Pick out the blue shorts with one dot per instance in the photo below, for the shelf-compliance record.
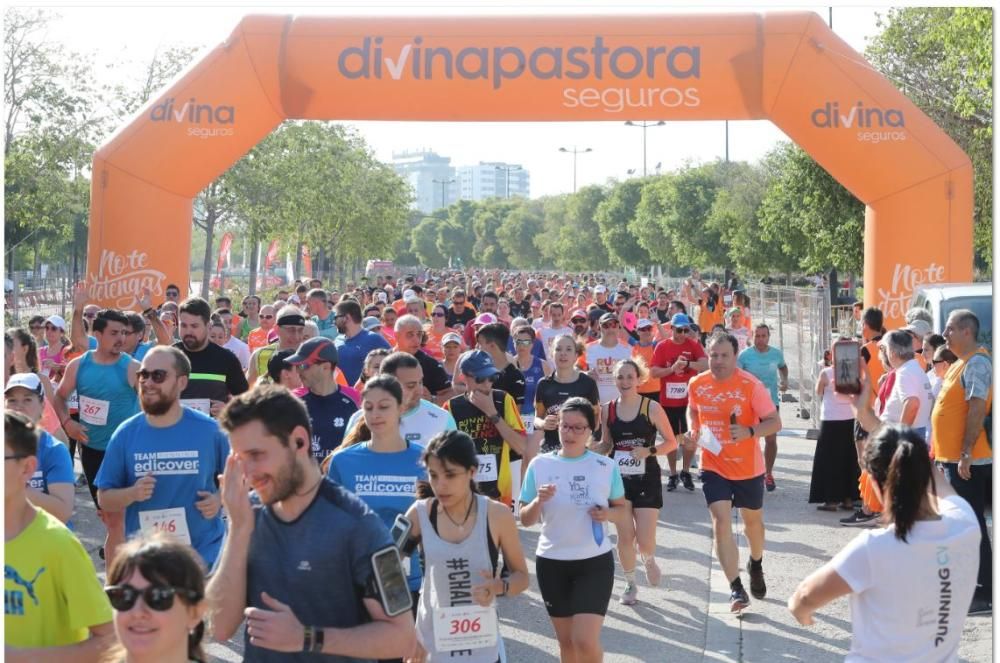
(743, 493)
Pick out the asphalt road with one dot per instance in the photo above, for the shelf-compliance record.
(687, 618)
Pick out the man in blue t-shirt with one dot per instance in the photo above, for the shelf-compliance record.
(356, 342)
(160, 465)
(297, 561)
(329, 408)
(51, 486)
(766, 364)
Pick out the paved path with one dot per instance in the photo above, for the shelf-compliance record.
(687, 618)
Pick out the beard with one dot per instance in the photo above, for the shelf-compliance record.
(156, 404)
(287, 482)
(193, 343)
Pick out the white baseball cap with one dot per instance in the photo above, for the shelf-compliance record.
(56, 321)
(29, 381)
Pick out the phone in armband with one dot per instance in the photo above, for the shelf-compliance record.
(400, 530)
(390, 580)
(847, 367)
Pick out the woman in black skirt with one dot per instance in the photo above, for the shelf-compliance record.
(835, 470)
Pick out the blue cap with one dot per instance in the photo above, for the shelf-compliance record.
(478, 364)
(680, 320)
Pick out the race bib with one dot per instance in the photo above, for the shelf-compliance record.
(94, 411)
(677, 390)
(529, 424)
(487, 468)
(73, 402)
(199, 404)
(464, 627)
(629, 466)
(172, 522)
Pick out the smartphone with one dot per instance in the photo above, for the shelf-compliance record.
(391, 581)
(400, 530)
(847, 367)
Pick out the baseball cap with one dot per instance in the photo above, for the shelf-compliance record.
(411, 298)
(370, 323)
(918, 327)
(643, 323)
(408, 293)
(381, 296)
(578, 313)
(318, 348)
(56, 321)
(735, 309)
(609, 317)
(277, 363)
(450, 337)
(478, 364)
(29, 381)
(600, 288)
(680, 320)
(484, 319)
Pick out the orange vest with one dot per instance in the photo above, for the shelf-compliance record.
(875, 368)
(948, 416)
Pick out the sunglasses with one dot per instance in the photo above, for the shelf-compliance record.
(156, 597)
(523, 341)
(437, 315)
(171, 293)
(15, 457)
(266, 317)
(157, 376)
(681, 330)
(90, 316)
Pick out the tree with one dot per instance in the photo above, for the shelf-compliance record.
(456, 235)
(578, 244)
(613, 217)
(942, 59)
(425, 237)
(690, 197)
(487, 220)
(648, 225)
(517, 234)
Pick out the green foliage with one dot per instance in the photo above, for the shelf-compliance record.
(424, 243)
(613, 216)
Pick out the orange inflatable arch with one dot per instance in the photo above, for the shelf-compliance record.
(785, 67)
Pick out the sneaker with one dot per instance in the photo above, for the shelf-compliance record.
(630, 596)
(653, 574)
(981, 605)
(769, 483)
(81, 481)
(860, 519)
(738, 600)
(672, 483)
(687, 480)
(757, 586)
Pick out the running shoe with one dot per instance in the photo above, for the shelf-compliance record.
(631, 594)
(860, 519)
(653, 574)
(672, 483)
(687, 480)
(769, 483)
(757, 585)
(81, 481)
(981, 605)
(738, 600)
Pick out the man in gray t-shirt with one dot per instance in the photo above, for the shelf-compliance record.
(300, 558)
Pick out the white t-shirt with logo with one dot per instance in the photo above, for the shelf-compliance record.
(909, 600)
(601, 360)
(418, 425)
(911, 382)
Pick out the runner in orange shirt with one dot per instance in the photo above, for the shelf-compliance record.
(258, 337)
(728, 411)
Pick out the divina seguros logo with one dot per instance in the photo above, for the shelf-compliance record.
(875, 124)
(416, 60)
(193, 112)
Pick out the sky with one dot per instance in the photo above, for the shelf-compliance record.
(118, 32)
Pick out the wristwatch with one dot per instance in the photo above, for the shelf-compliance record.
(652, 450)
(506, 587)
(965, 455)
(495, 418)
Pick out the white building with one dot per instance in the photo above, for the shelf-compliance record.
(431, 177)
(489, 179)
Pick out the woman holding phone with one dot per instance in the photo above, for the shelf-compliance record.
(460, 549)
(573, 492)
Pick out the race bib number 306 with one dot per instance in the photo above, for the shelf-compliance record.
(464, 627)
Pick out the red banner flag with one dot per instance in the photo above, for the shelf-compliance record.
(224, 247)
(272, 254)
(307, 264)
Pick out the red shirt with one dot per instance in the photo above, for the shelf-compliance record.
(674, 388)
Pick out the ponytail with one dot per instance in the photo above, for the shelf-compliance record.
(898, 460)
(195, 652)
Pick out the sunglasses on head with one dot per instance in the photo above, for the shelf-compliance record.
(156, 597)
(157, 376)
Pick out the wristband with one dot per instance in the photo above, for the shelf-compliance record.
(652, 450)
(307, 639)
(318, 639)
(63, 422)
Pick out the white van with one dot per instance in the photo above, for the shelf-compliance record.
(943, 298)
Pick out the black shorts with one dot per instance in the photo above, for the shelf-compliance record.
(644, 492)
(743, 493)
(576, 586)
(91, 460)
(677, 416)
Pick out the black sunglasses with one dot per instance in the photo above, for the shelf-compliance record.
(157, 597)
(157, 376)
(15, 457)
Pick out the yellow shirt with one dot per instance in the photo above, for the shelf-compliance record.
(51, 594)
(949, 413)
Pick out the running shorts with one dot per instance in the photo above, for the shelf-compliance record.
(576, 586)
(677, 416)
(743, 493)
(91, 460)
(644, 492)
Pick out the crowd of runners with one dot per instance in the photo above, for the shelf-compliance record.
(347, 473)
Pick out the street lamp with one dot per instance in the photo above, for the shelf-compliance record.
(574, 152)
(644, 125)
(507, 169)
(443, 183)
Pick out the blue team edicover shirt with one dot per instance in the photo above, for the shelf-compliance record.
(763, 366)
(386, 482)
(184, 459)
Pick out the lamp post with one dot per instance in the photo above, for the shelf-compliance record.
(574, 152)
(644, 126)
(443, 183)
(507, 170)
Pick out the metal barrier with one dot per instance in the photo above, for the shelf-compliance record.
(800, 321)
